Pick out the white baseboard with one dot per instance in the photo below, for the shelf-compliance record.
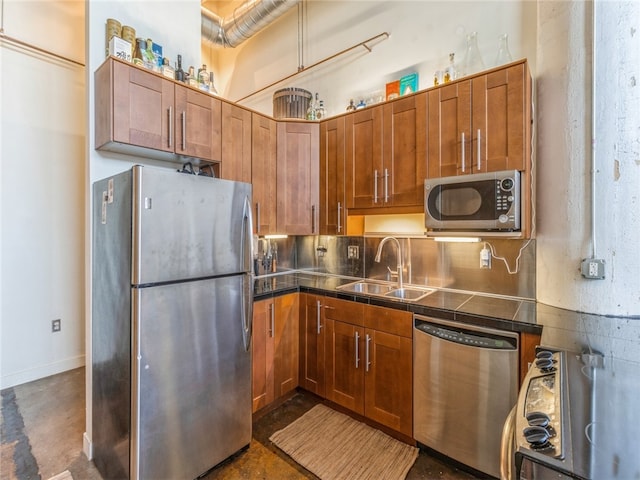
(41, 371)
(87, 446)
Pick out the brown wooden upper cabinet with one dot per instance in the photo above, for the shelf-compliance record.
(236, 143)
(386, 154)
(332, 177)
(297, 178)
(481, 124)
(263, 173)
(138, 109)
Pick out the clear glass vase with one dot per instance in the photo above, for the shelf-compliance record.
(503, 56)
(472, 60)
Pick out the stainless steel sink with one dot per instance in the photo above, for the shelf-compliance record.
(370, 288)
(409, 293)
(388, 290)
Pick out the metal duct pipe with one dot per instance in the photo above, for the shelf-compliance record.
(246, 20)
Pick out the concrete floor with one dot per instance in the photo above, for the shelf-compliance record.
(42, 426)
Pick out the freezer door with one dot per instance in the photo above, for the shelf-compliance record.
(191, 395)
(188, 226)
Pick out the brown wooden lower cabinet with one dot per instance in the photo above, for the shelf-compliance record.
(312, 334)
(369, 370)
(274, 349)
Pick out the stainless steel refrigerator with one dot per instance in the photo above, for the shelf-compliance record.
(171, 323)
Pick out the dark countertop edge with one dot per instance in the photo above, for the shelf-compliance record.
(416, 308)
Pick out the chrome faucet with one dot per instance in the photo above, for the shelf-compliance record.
(399, 257)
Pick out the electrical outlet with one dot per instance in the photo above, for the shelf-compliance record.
(485, 258)
(56, 325)
(592, 268)
(353, 252)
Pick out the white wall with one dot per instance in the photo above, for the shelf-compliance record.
(42, 191)
(176, 26)
(564, 156)
(422, 34)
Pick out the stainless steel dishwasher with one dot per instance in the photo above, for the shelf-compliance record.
(465, 383)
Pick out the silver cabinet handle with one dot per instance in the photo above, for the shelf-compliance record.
(339, 217)
(170, 126)
(184, 129)
(257, 217)
(318, 309)
(386, 185)
(272, 328)
(357, 338)
(479, 152)
(367, 363)
(375, 186)
(463, 162)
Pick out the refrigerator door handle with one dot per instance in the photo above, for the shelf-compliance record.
(246, 246)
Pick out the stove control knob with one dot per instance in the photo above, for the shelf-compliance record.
(544, 354)
(536, 436)
(544, 364)
(538, 419)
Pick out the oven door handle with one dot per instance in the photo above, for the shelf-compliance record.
(507, 471)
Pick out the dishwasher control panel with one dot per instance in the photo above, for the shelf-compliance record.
(467, 336)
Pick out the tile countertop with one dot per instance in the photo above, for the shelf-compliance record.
(498, 312)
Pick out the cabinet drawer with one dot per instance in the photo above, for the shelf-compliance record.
(344, 311)
(389, 320)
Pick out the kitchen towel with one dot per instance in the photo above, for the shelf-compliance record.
(334, 446)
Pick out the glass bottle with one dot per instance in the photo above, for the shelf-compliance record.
(137, 52)
(212, 88)
(472, 60)
(179, 71)
(450, 72)
(167, 69)
(311, 111)
(203, 78)
(148, 57)
(321, 112)
(193, 80)
(503, 56)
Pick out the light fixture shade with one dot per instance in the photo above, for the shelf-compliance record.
(458, 239)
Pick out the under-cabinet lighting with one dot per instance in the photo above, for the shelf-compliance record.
(275, 236)
(458, 239)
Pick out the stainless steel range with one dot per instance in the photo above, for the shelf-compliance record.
(552, 422)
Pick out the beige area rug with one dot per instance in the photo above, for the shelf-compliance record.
(334, 446)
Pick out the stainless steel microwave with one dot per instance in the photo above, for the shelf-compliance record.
(480, 202)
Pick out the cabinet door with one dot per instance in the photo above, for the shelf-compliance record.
(405, 151)
(312, 334)
(143, 107)
(197, 124)
(297, 172)
(388, 380)
(344, 365)
(263, 173)
(364, 158)
(500, 123)
(332, 185)
(449, 130)
(286, 344)
(236, 143)
(262, 345)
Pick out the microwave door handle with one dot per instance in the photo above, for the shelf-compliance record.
(479, 152)
(463, 162)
